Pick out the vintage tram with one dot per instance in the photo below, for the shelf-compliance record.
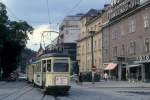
(51, 72)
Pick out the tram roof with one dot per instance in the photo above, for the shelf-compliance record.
(53, 55)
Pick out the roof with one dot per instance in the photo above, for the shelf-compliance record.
(90, 13)
(52, 55)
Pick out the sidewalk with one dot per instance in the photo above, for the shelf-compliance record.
(116, 84)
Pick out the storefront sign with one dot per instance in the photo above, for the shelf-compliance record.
(143, 58)
(123, 7)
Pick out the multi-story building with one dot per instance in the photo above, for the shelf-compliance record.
(93, 20)
(126, 40)
(69, 31)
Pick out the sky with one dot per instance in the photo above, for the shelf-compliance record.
(39, 13)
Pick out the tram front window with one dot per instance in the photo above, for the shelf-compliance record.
(61, 67)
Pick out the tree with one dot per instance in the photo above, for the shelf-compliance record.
(3, 29)
(13, 39)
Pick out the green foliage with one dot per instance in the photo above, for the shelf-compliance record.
(26, 55)
(13, 39)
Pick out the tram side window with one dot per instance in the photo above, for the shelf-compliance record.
(49, 65)
(44, 65)
(38, 67)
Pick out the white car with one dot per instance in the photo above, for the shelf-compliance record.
(22, 78)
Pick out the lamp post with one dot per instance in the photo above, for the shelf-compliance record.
(92, 33)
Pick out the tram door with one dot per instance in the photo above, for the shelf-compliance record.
(44, 62)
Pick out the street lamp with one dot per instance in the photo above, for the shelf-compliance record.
(92, 33)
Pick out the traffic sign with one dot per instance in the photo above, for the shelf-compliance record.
(93, 68)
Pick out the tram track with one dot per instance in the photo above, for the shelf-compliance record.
(57, 98)
(71, 98)
(22, 94)
(43, 97)
(24, 89)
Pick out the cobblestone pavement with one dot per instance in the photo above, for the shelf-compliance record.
(24, 91)
(116, 84)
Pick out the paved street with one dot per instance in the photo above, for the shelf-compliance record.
(24, 91)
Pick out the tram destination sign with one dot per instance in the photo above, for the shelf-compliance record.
(122, 7)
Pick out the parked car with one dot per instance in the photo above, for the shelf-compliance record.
(22, 78)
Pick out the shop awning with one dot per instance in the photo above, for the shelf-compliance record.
(111, 66)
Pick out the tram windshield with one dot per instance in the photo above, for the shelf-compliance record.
(61, 66)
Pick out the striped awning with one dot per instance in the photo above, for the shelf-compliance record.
(111, 66)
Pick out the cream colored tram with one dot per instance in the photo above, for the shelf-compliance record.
(52, 72)
(30, 72)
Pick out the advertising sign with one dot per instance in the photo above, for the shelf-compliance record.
(61, 81)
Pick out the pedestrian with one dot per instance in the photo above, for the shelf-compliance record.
(105, 76)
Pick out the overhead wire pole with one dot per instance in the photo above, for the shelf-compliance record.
(49, 20)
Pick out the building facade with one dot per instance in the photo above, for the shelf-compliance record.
(92, 21)
(69, 31)
(126, 40)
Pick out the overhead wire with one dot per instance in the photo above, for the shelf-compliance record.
(49, 18)
(75, 6)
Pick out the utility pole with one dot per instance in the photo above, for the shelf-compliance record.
(92, 33)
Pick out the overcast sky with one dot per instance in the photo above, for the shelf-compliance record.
(35, 12)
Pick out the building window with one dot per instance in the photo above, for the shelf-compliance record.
(123, 50)
(95, 45)
(91, 28)
(95, 62)
(82, 23)
(95, 27)
(99, 62)
(88, 47)
(147, 45)
(99, 24)
(122, 29)
(115, 51)
(88, 31)
(83, 50)
(115, 35)
(146, 22)
(132, 48)
(131, 26)
(88, 64)
(99, 44)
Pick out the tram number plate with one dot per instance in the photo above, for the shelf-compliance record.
(61, 80)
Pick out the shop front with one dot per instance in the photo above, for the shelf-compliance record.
(144, 61)
(112, 70)
(134, 72)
